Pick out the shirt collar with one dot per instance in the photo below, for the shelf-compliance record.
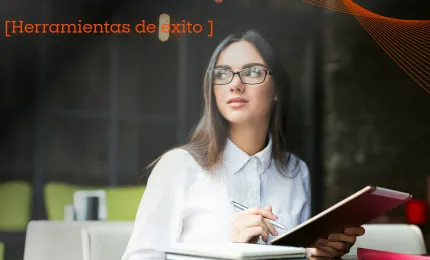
(234, 158)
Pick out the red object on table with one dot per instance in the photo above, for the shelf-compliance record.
(416, 212)
(370, 254)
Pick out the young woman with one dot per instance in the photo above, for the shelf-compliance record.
(238, 152)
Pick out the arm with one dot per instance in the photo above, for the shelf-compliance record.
(158, 223)
(336, 245)
(306, 211)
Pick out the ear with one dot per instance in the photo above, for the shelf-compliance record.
(276, 98)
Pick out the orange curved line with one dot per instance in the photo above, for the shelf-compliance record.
(424, 27)
(325, 6)
(370, 13)
(411, 36)
(331, 4)
(395, 56)
(395, 51)
(428, 26)
(411, 42)
(416, 33)
(405, 45)
(362, 10)
(408, 47)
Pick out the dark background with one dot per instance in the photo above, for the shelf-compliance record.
(96, 109)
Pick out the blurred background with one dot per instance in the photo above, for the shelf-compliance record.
(92, 111)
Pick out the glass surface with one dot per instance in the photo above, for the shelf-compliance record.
(17, 149)
(83, 82)
(148, 75)
(77, 151)
(140, 144)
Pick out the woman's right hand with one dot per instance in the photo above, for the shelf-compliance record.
(249, 225)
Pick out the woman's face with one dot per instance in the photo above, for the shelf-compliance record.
(256, 101)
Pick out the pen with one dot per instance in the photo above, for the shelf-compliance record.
(243, 208)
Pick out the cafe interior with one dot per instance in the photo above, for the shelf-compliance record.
(84, 113)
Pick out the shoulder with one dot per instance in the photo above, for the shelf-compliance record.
(171, 168)
(176, 155)
(301, 172)
(176, 160)
(297, 166)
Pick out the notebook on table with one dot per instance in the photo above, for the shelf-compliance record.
(356, 210)
(233, 251)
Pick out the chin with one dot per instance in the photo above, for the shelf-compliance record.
(237, 119)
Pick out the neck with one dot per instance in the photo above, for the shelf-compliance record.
(250, 139)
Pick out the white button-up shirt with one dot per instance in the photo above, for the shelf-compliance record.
(184, 203)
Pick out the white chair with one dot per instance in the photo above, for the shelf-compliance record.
(105, 242)
(53, 240)
(397, 238)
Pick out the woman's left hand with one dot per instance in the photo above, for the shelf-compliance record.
(336, 245)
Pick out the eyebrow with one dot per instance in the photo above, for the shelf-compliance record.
(248, 65)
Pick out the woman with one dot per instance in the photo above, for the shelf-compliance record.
(238, 152)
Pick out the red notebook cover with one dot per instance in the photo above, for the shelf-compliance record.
(370, 254)
(353, 211)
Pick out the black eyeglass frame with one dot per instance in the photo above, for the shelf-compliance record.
(266, 72)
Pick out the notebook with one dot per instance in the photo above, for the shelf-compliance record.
(233, 251)
(354, 211)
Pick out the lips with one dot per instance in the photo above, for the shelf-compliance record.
(237, 100)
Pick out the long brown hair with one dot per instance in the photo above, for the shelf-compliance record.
(209, 137)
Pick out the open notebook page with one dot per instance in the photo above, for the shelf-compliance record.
(236, 251)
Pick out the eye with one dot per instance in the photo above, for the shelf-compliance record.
(221, 74)
(254, 72)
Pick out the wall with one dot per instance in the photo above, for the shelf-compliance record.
(118, 98)
(377, 125)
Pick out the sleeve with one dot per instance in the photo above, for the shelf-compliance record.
(158, 222)
(306, 211)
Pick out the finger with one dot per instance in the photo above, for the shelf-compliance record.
(355, 231)
(271, 228)
(339, 246)
(237, 216)
(316, 252)
(253, 221)
(251, 232)
(263, 212)
(259, 220)
(342, 238)
(330, 251)
(248, 221)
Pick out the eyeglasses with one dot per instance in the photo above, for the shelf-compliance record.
(251, 76)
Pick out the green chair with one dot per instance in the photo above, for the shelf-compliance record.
(122, 202)
(56, 196)
(1, 250)
(15, 205)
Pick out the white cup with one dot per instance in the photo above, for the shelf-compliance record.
(69, 212)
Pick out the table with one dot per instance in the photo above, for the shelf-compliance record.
(335, 258)
(311, 258)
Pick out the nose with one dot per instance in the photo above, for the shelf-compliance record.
(236, 84)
